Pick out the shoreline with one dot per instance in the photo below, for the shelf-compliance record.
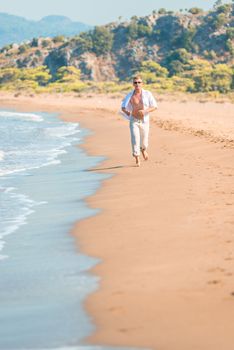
(207, 119)
(166, 251)
(48, 272)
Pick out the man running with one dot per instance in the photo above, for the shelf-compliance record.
(137, 105)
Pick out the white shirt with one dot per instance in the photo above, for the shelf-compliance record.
(147, 99)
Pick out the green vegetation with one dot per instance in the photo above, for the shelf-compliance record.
(12, 78)
(34, 42)
(23, 48)
(195, 11)
(137, 29)
(59, 39)
(151, 71)
(162, 11)
(194, 76)
(102, 40)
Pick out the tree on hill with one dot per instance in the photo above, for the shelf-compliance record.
(177, 60)
(102, 39)
(34, 42)
(167, 30)
(83, 43)
(137, 29)
(162, 11)
(195, 11)
(185, 40)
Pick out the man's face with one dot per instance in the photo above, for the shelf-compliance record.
(137, 83)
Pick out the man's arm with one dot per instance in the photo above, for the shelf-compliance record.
(149, 109)
(125, 111)
(152, 106)
(142, 112)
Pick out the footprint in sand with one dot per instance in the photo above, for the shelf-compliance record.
(214, 282)
(124, 330)
(115, 309)
(216, 269)
(118, 292)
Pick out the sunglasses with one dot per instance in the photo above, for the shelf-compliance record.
(137, 82)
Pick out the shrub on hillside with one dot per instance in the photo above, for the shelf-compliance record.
(9, 75)
(68, 74)
(102, 39)
(151, 70)
(83, 43)
(23, 48)
(195, 11)
(59, 39)
(34, 42)
(39, 74)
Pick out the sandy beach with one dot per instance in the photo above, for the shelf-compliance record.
(165, 231)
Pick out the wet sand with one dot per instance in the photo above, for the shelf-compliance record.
(165, 231)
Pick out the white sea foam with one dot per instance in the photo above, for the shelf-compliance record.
(61, 131)
(24, 116)
(24, 206)
(50, 158)
(2, 155)
(7, 172)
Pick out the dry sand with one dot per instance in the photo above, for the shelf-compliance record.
(165, 232)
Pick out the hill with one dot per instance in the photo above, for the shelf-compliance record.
(192, 51)
(15, 29)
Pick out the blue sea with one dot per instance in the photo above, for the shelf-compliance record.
(44, 278)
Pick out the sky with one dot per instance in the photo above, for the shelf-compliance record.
(96, 12)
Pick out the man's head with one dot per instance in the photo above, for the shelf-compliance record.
(137, 82)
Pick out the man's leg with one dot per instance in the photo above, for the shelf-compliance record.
(145, 139)
(135, 140)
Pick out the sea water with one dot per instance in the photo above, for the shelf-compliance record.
(44, 277)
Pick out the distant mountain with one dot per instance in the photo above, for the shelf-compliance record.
(14, 29)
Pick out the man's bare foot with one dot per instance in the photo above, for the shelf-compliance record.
(145, 154)
(138, 162)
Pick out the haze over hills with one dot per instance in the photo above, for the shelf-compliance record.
(15, 29)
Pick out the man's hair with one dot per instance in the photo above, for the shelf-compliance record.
(137, 76)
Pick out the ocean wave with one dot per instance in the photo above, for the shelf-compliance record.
(28, 146)
(49, 158)
(12, 219)
(63, 131)
(18, 170)
(25, 152)
(25, 146)
(24, 116)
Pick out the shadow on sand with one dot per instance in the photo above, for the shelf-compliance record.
(112, 167)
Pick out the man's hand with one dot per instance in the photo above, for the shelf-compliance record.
(125, 111)
(140, 114)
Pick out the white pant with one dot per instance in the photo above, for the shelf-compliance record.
(139, 135)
